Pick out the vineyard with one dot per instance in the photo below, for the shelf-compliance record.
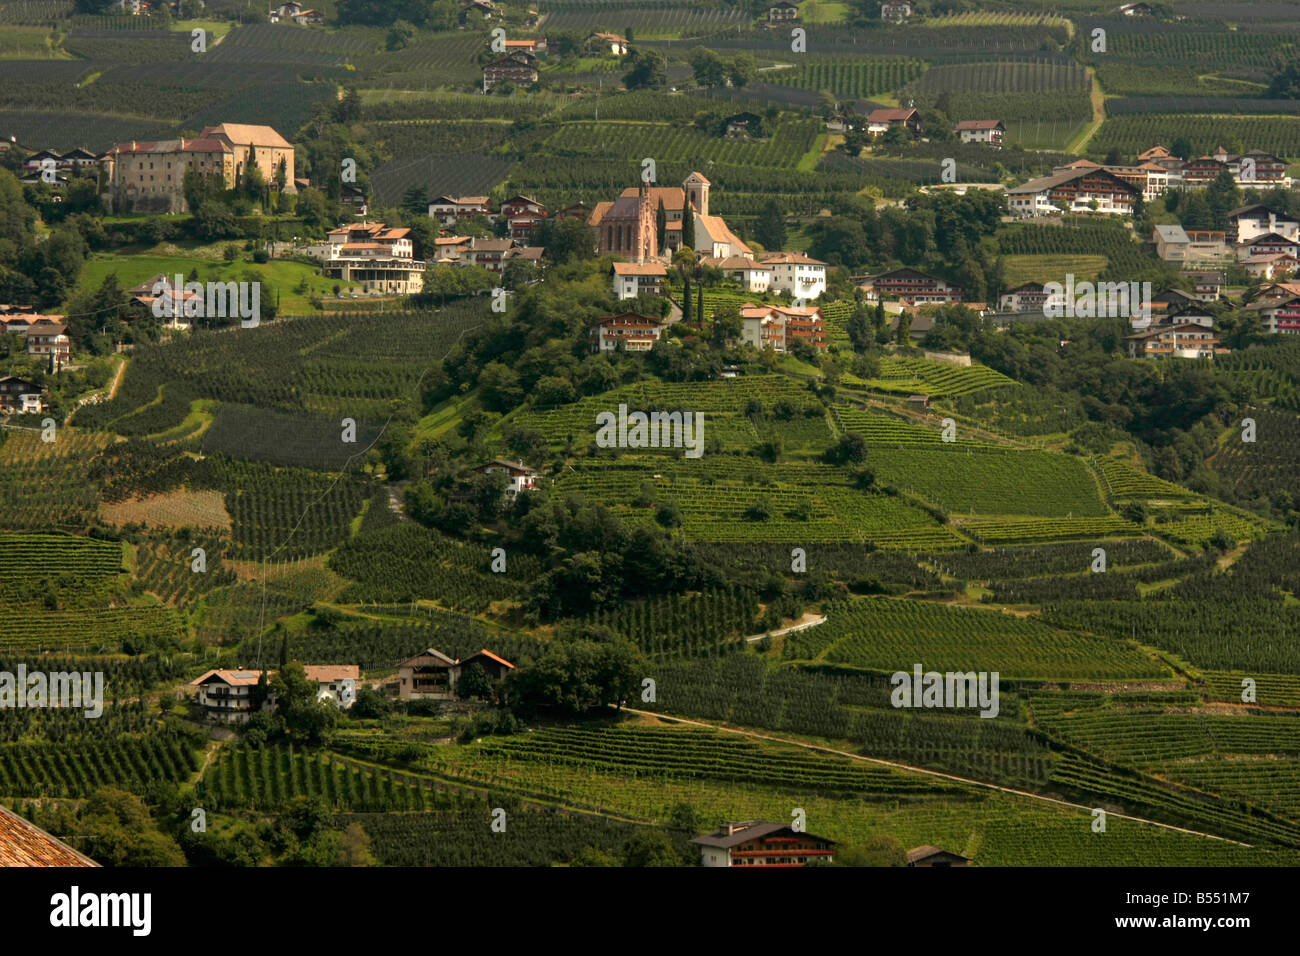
(859, 77)
(1006, 76)
(676, 626)
(684, 145)
(937, 379)
(44, 484)
(1131, 134)
(76, 768)
(85, 560)
(891, 635)
(104, 630)
(268, 778)
(964, 480)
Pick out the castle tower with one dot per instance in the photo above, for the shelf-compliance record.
(697, 192)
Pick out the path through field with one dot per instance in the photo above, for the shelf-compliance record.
(807, 621)
(1098, 99)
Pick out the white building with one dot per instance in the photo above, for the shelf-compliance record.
(749, 275)
(520, 477)
(632, 279)
(981, 131)
(336, 683)
(1249, 222)
(629, 332)
(801, 276)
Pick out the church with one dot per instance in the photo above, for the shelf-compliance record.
(629, 226)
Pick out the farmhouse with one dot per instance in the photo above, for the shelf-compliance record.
(432, 674)
(933, 856)
(913, 287)
(780, 327)
(1247, 222)
(607, 44)
(518, 67)
(378, 258)
(981, 131)
(19, 396)
(230, 696)
(628, 332)
(446, 209)
(519, 476)
(1268, 244)
(782, 12)
(878, 121)
(800, 275)
(896, 11)
(632, 279)
(1175, 336)
(524, 217)
(489, 254)
(1076, 190)
(754, 843)
(1030, 297)
(48, 337)
(336, 683)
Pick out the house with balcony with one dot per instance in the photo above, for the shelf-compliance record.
(433, 675)
(230, 696)
(1183, 335)
(519, 477)
(896, 11)
(879, 121)
(632, 279)
(755, 843)
(518, 67)
(19, 396)
(802, 276)
(1030, 297)
(448, 209)
(912, 287)
(378, 258)
(628, 332)
(990, 132)
(1250, 222)
(1206, 286)
(780, 327)
(48, 338)
(335, 683)
(1077, 190)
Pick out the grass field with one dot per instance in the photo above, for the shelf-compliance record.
(173, 509)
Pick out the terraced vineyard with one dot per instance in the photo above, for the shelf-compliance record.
(1125, 481)
(268, 778)
(689, 753)
(858, 77)
(104, 629)
(936, 379)
(44, 484)
(1008, 530)
(86, 559)
(718, 499)
(891, 635)
(76, 768)
(1271, 690)
(887, 430)
(971, 481)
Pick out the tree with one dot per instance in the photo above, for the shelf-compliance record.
(1181, 147)
(661, 226)
(688, 228)
(708, 67)
(743, 69)
(851, 448)
(648, 72)
(1285, 83)
(567, 240)
(769, 230)
(727, 326)
(475, 683)
(576, 678)
(881, 849)
(415, 200)
(904, 328)
(216, 220)
(401, 34)
(499, 387)
(650, 848)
